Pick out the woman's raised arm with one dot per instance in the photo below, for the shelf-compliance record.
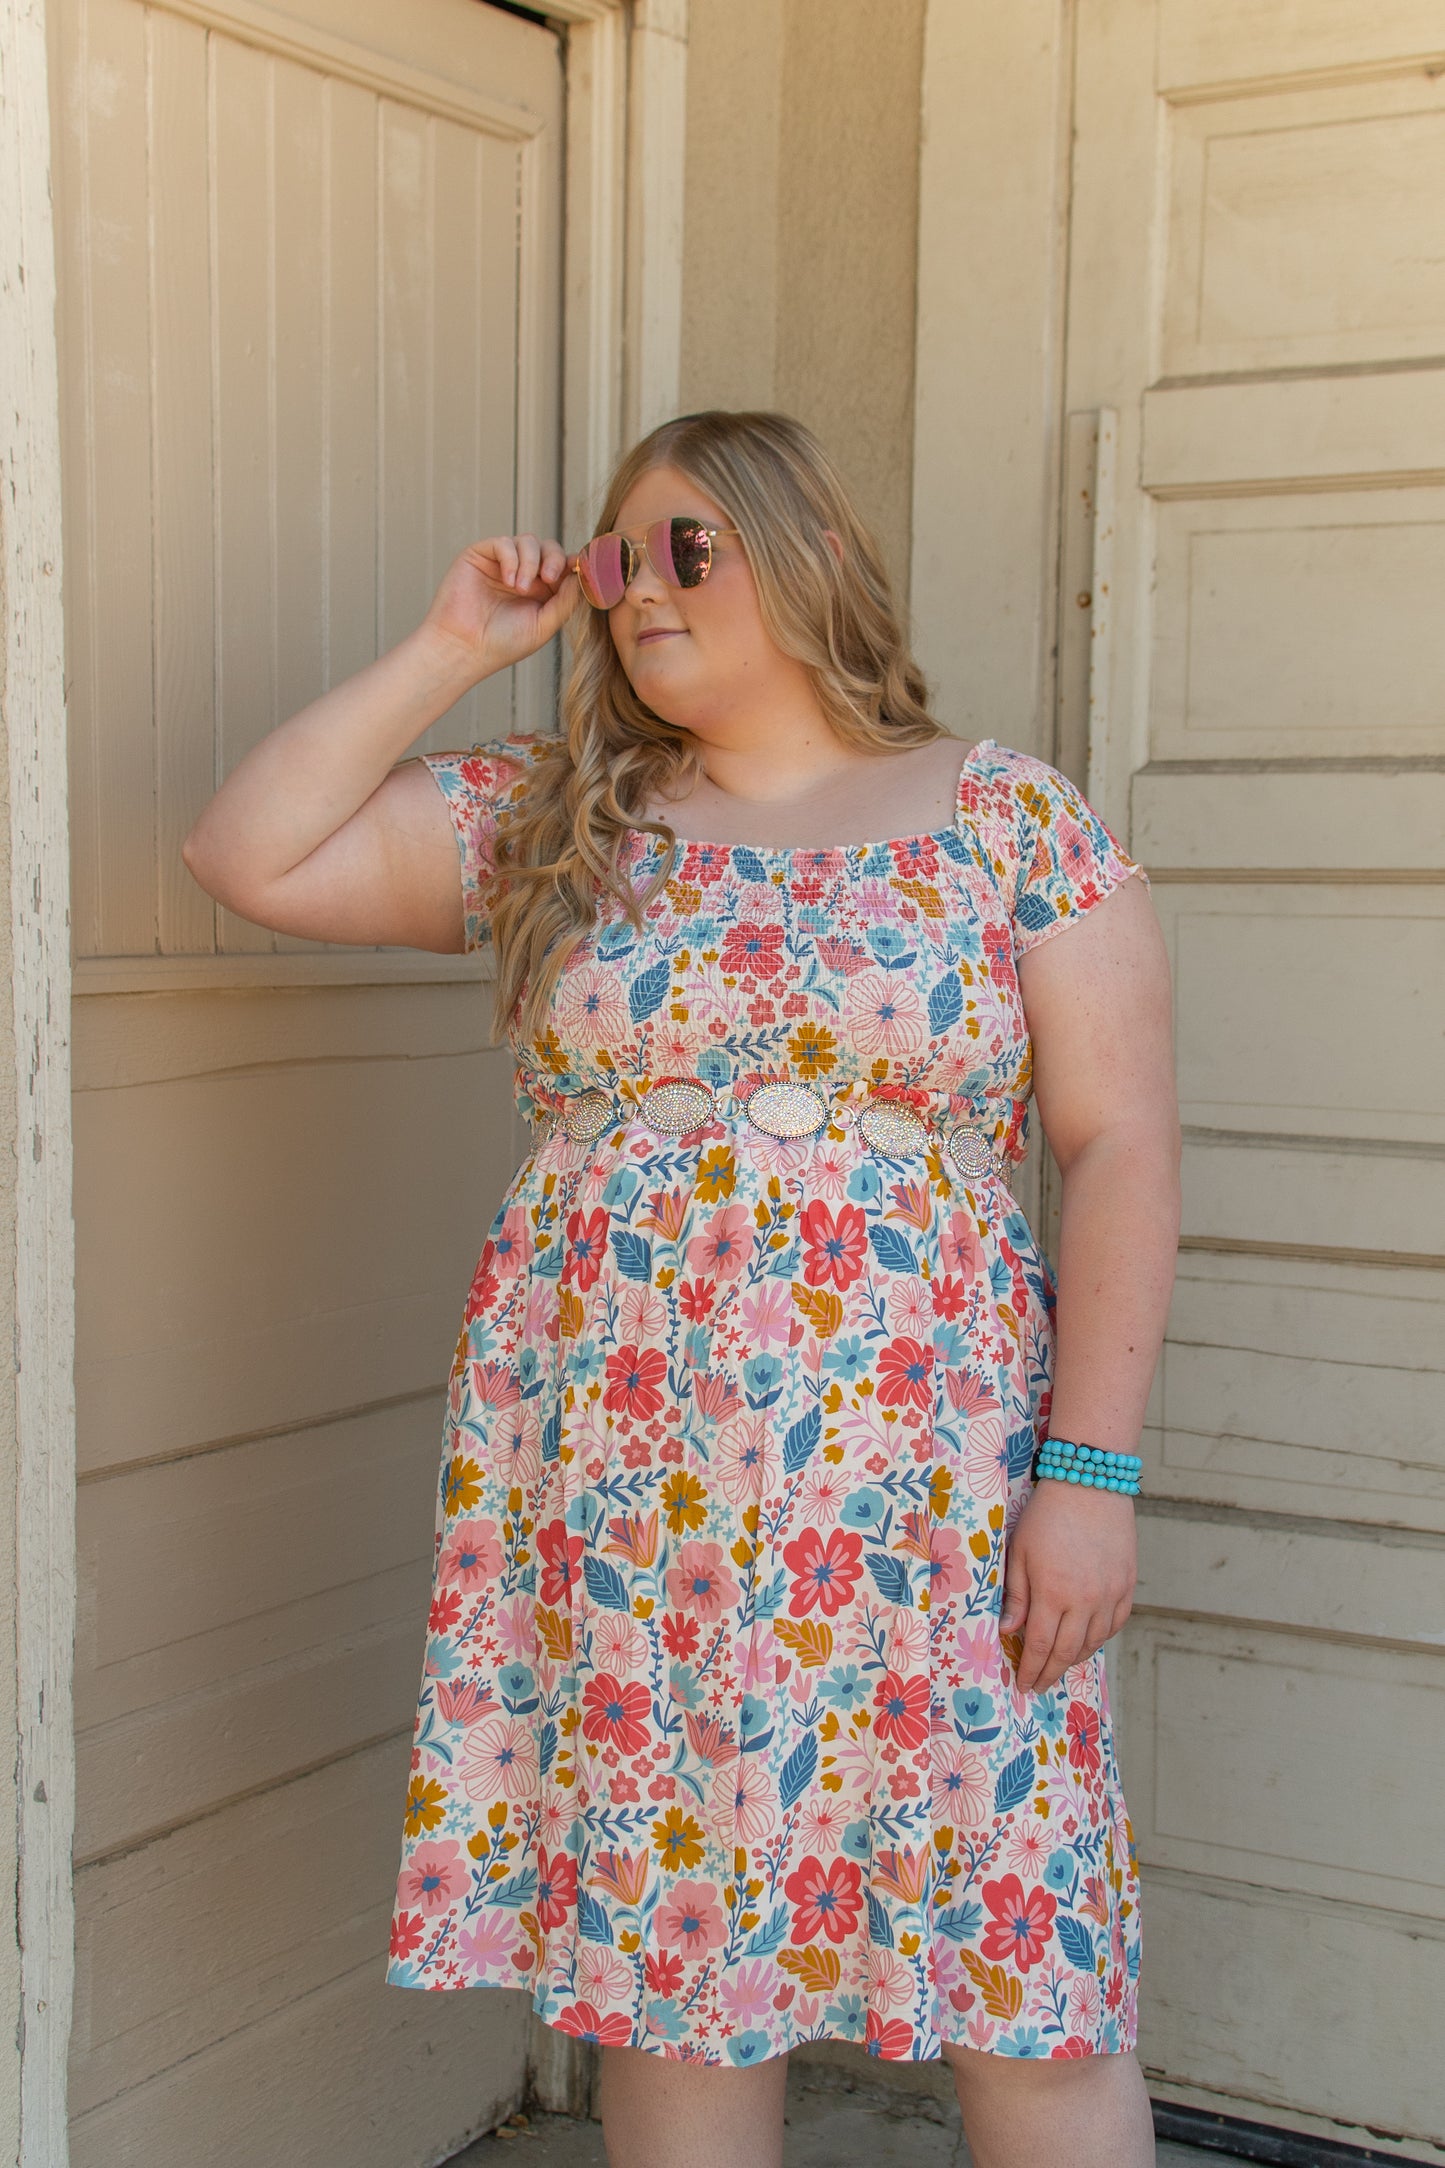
(317, 832)
(1097, 1001)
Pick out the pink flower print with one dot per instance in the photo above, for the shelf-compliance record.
(908, 1641)
(462, 1701)
(825, 1570)
(831, 1169)
(722, 1249)
(556, 1887)
(586, 1247)
(823, 1821)
(516, 1624)
(962, 1786)
(690, 1919)
(642, 1314)
(744, 1801)
(586, 2022)
(742, 1458)
(713, 1393)
(705, 863)
(1030, 1849)
(518, 1446)
(499, 1761)
(434, 1877)
(985, 1457)
(472, 1555)
(495, 1385)
(487, 1946)
(758, 1659)
(950, 1567)
(601, 1974)
(1084, 2003)
(900, 1710)
(910, 1308)
(509, 1245)
(766, 1315)
(824, 1491)
(615, 1713)
(748, 1993)
(590, 1007)
(1083, 1729)
(561, 1556)
(959, 1245)
(883, 1014)
(617, 1644)
(699, 1581)
(753, 950)
(1076, 860)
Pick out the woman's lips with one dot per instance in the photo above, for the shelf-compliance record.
(662, 633)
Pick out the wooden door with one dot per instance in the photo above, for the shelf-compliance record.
(1256, 308)
(310, 278)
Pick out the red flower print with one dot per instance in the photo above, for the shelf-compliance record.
(463, 1701)
(1083, 1730)
(680, 1636)
(835, 1249)
(826, 1900)
(586, 1246)
(556, 1887)
(632, 1380)
(662, 1970)
(704, 863)
(699, 1581)
(753, 948)
(826, 1568)
(616, 1714)
(406, 1932)
(1076, 2044)
(891, 2038)
(434, 1877)
(586, 2022)
(1022, 1921)
(916, 857)
(900, 1709)
(445, 1611)
(905, 1375)
(561, 1557)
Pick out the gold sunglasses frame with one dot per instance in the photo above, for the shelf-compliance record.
(638, 553)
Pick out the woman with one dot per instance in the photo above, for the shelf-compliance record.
(763, 1701)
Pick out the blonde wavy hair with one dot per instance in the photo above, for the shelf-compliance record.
(558, 851)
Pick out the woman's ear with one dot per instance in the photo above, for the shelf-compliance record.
(833, 543)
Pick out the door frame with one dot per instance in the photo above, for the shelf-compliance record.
(626, 84)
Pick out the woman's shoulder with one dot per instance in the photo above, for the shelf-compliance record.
(493, 771)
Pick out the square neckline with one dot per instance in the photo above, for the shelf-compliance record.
(832, 850)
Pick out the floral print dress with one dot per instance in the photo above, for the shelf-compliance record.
(717, 1748)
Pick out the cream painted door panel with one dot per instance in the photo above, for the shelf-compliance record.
(1256, 308)
(309, 320)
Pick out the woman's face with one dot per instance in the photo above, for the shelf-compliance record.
(701, 657)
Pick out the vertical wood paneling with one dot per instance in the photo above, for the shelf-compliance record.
(408, 449)
(349, 381)
(113, 707)
(243, 331)
(185, 645)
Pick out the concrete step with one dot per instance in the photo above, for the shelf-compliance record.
(826, 2126)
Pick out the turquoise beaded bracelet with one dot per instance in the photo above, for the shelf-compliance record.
(1088, 1465)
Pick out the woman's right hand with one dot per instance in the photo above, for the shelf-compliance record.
(503, 599)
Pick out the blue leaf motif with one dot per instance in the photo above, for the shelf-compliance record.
(592, 1922)
(520, 1889)
(750, 866)
(1015, 1782)
(891, 1575)
(961, 1924)
(648, 991)
(546, 1748)
(801, 1439)
(945, 1006)
(880, 1927)
(633, 1254)
(892, 1249)
(764, 1940)
(1076, 1941)
(605, 1584)
(797, 1772)
(1021, 1446)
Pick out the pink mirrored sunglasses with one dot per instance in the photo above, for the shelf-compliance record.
(679, 551)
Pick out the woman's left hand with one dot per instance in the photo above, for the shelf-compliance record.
(1069, 1578)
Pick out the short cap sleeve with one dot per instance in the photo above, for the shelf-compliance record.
(1067, 860)
(478, 786)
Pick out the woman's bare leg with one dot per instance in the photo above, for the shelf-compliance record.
(661, 2114)
(1091, 2111)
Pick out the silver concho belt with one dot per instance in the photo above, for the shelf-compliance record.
(678, 1106)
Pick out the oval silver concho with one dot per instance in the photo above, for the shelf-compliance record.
(972, 1154)
(587, 1114)
(786, 1110)
(885, 1126)
(676, 1107)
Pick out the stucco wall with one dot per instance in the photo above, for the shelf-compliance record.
(800, 233)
